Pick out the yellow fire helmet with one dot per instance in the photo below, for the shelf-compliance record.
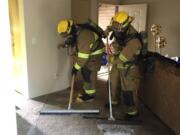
(121, 19)
(64, 26)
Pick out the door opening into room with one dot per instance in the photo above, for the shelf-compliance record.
(18, 46)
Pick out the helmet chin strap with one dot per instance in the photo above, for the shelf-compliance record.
(122, 29)
(71, 38)
(73, 30)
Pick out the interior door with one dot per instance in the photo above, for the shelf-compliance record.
(105, 14)
(139, 11)
(19, 70)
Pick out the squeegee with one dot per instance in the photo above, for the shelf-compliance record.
(69, 110)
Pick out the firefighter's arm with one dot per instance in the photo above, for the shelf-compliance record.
(85, 41)
(131, 49)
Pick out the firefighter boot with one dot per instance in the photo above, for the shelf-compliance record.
(84, 98)
(132, 113)
(131, 110)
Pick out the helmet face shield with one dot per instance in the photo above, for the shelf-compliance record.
(115, 26)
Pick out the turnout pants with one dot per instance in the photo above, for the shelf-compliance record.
(90, 79)
(125, 84)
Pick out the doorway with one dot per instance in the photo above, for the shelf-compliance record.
(139, 11)
(18, 46)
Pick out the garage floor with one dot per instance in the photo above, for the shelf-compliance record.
(31, 123)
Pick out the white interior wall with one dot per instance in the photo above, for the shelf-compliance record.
(94, 11)
(48, 68)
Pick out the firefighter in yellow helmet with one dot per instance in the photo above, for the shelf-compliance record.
(89, 48)
(125, 72)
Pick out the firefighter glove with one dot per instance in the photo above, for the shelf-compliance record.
(74, 71)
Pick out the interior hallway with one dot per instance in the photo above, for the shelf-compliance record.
(31, 123)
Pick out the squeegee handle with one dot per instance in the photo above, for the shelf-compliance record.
(71, 92)
(111, 117)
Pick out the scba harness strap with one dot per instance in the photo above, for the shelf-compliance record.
(97, 31)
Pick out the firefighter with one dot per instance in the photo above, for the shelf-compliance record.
(124, 74)
(89, 49)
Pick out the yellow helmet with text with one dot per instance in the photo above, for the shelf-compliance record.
(64, 26)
